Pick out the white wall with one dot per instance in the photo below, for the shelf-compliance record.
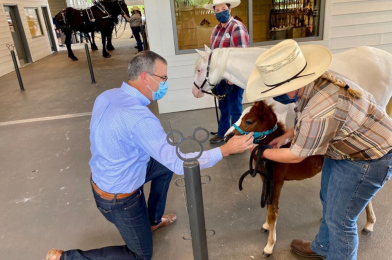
(39, 46)
(56, 6)
(78, 4)
(134, 2)
(356, 23)
(348, 23)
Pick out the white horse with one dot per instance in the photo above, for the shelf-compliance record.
(369, 67)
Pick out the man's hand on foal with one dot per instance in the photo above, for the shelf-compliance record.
(237, 144)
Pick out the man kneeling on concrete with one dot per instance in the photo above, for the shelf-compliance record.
(129, 148)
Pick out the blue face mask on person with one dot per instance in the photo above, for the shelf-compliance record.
(223, 16)
(285, 99)
(162, 89)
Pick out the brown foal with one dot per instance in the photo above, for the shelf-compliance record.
(261, 118)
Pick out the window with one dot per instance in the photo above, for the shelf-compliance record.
(33, 22)
(285, 19)
(269, 21)
(194, 23)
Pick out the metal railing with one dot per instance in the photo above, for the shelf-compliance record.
(194, 195)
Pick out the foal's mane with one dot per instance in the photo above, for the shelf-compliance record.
(216, 69)
(261, 111)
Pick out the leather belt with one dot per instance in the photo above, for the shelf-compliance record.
(111, 196)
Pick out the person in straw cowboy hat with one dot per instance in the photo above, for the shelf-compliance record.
(334, 118)
(228, 33)
(135, 21)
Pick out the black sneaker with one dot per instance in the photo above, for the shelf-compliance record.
(216, 140)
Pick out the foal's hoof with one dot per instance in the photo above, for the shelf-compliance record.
(265, 255)
(107, 55)
(94, 48)
(263, 230)
(110, 49)
(73, 58)
(366, 231)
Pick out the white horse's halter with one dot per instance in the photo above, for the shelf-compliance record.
(207, 80)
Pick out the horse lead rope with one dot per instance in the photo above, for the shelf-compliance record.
(267, 173)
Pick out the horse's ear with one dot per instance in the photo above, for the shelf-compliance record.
(260, 105)
(201, 53)
(206, 48)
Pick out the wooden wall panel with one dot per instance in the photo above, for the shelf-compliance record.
(39, 47)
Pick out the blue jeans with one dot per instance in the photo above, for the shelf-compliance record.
(136, 33)
(132, 218)
(82, 34)
(230, 107)
(346, 189)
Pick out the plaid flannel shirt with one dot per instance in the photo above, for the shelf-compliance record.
(331, 122)
(234, 34)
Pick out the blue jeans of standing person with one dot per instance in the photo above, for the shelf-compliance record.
(132, 218)
(230, 107)
(136, 33)
(346, 188)
(82, 34)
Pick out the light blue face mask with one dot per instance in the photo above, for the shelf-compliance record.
(162, 89)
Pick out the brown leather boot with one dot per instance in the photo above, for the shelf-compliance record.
(302, 248)
(54, 254)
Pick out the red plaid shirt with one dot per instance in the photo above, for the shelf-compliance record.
(234, 34)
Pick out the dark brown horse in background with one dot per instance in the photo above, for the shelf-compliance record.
(94, 19)
(260, 118)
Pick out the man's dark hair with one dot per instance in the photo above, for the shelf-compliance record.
(143, 61)
(228, 5)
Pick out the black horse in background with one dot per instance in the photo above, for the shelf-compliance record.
(102, 17)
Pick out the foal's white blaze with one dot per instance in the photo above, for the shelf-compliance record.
(280, 111)
(246, 111)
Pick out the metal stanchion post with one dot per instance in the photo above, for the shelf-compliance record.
(11, 47)
(90, 65)
(196, 210)
(194, 195)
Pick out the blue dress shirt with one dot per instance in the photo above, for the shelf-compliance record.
(124, 134)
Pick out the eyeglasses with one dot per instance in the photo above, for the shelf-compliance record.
(165, 78)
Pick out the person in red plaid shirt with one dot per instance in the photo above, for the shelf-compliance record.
(228, 33)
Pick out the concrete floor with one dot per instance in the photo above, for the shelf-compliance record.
(47, 200)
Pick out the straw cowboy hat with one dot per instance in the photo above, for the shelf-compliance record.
(233, 3)
(286, 67)
(135, 8)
